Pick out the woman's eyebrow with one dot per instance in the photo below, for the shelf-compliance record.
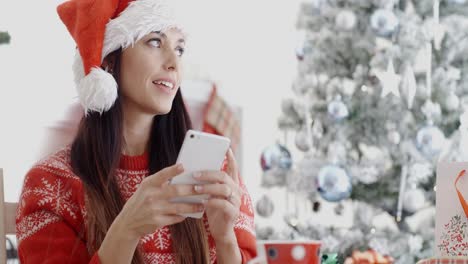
(165, 36)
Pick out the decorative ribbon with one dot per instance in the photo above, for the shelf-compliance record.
(460, 196)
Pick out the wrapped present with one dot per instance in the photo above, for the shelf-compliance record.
(445, 260)
(451, 234)
(287, 252)
(368, 257)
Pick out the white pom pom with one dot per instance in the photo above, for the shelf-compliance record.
(97, 91)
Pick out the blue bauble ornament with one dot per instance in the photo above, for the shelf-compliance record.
(276, 157)
(333, 183)
(384, 22)
(430, 140)
(337, 110)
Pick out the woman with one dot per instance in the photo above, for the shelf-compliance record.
(105, 198)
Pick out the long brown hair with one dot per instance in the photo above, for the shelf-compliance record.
(95, 156)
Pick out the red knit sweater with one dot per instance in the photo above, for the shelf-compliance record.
(52, 213)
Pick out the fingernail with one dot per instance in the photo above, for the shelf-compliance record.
(198, 188)
(197, 175)
(204, 201)
(201, 208)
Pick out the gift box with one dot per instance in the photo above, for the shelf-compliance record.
(444, 260)
(368, 257)
(287, 252)
(451, 235)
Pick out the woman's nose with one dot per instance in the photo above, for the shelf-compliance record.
(170, 62)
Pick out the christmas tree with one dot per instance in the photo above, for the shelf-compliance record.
(381, 92)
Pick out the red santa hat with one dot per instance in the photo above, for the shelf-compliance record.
(100, 27)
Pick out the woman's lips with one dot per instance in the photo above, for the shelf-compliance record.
(164, 88)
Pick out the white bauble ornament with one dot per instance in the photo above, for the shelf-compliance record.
(345, 20)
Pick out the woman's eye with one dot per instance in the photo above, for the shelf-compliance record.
(180, 51)
(155, 42)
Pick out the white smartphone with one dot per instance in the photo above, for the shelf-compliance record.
(199, 152)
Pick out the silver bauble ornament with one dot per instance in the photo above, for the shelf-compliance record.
(276, 156)
(265, 206)
(430, 140)
(333, 183)
(337, 110)
(384, 22)
(303, 140)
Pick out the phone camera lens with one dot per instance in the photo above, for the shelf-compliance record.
(192, 136)
(272, 253)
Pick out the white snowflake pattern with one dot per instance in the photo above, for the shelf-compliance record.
(161, 238)
(57, 196)
(59, 164)
(24, 194)
(245, 222)
(129, 181)
(34, 222)
(159, 258)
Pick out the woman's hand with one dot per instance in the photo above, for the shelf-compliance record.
(150, 207)
(222, 208)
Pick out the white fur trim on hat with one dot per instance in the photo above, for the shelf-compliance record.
(140, 18)
(98, 90)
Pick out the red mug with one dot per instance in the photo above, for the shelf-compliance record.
(290, 252)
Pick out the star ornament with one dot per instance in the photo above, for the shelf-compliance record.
(390, 81)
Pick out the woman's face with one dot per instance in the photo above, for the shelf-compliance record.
(150, 72)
